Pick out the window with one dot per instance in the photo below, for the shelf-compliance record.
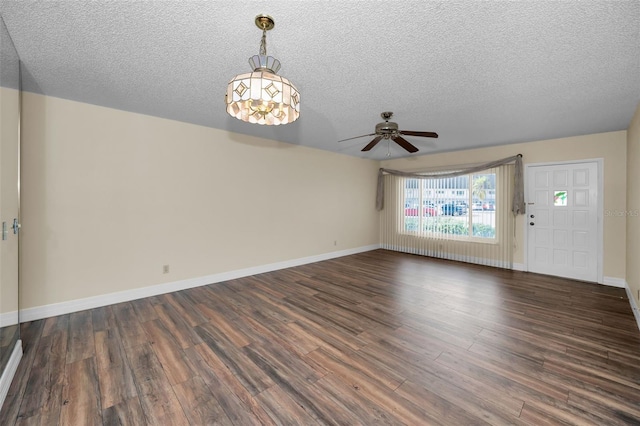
(560, 198)
(462, 207)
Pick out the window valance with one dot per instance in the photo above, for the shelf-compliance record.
(517, 206)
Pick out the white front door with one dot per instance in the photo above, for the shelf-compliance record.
(562, 220)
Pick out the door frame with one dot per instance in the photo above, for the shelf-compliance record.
(599, 208)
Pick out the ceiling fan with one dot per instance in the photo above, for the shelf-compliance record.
(389, 130)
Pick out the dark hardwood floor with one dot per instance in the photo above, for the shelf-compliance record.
(374, 338)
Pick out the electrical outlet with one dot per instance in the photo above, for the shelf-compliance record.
(165, 269)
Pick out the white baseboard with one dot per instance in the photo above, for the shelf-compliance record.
(10, 371)
(8, 318)
(632, 302)
(46, 311)
(615, 282)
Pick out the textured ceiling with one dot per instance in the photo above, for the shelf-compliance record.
(477, 73)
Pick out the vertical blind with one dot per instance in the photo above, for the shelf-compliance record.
(467, 218)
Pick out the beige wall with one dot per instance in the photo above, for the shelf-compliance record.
(109, 197)
(633, 205)
(609, 146)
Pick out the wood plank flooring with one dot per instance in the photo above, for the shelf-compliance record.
(374, 338)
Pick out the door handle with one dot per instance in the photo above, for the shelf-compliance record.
(5, 232)
(531, 223)
(16, 226)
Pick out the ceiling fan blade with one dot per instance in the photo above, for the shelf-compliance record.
(423, 134)
(355, 137)
(405, 144)
(373, 143)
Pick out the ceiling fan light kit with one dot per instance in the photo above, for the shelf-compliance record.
(389, 130)
(262, 96)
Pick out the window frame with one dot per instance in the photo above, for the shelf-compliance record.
(420, 189)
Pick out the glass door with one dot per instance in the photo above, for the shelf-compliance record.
(9, 202)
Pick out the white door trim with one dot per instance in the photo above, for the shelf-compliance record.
(600, 208)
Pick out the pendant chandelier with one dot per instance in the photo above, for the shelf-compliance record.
(262, 96)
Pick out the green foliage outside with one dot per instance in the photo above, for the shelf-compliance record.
(448, 225)
(478, 187)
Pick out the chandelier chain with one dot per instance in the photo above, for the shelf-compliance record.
(263, 42)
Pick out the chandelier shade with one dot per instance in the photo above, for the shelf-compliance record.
(262, 96)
